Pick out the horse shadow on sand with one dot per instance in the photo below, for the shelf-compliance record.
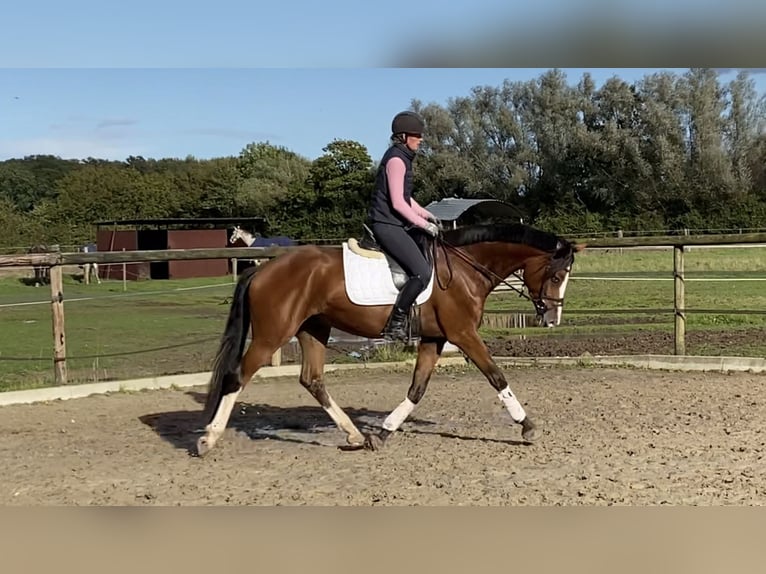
(302, 425)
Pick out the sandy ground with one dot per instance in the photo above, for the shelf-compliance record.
(612, 436)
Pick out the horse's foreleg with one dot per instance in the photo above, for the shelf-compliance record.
(475, 349)
(429, 352)
(313, 345)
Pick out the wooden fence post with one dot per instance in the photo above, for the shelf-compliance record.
(233, 269)
(678, 300)
(124, 275)
(57, 313)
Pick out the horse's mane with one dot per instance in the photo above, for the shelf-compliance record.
(507, 233)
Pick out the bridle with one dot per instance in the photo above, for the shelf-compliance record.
(555, 301)
(538, 301)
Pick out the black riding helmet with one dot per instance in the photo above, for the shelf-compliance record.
(408, 123)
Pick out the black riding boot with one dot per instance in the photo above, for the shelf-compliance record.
(397, 326)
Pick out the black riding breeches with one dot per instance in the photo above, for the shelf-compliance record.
(402, 247)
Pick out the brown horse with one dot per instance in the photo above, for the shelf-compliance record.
(306, 291)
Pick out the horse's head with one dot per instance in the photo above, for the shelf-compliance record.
(236, 234)
(546, 277)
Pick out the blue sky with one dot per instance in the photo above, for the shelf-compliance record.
(117, 112)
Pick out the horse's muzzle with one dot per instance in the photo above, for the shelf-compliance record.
(548, 316)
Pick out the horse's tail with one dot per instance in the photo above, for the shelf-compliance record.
(226, 366)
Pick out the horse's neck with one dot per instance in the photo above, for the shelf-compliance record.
(243, 240)
(501, 259)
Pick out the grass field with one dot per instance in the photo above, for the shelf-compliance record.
(168, 326)
(714, 279)
(173, 326)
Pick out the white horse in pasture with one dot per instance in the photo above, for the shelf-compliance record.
(247, 239)
(240, 234)
(90, 270)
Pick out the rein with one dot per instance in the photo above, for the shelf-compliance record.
(476, 265)
(538, 303)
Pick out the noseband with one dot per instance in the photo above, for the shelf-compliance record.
(541, 307)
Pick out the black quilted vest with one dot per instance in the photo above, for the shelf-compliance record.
(381, 209)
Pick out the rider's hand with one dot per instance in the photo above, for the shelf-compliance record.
(436, 221)
(432, 229)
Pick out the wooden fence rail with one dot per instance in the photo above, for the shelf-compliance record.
(51, 259)
(56, 260)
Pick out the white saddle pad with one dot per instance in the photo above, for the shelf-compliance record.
(369, 281)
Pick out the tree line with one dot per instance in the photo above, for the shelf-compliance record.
(667, 152)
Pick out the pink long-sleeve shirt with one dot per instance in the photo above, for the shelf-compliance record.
(412, 212)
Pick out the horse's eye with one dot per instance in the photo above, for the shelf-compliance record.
(555, 280)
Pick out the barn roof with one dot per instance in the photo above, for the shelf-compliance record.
(451, 208)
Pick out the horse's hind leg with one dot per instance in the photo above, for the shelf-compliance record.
(258, 355)
(313, 337)
(429, 352)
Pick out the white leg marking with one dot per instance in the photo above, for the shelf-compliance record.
(398, 415)
(343, 421)
(218, 424)
(512, 404)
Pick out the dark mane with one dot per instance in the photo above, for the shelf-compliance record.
(505, 232)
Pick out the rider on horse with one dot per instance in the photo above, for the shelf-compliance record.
(398, 221)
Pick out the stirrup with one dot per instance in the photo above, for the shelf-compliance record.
(406, 330)
(396, 327)
(398, 335)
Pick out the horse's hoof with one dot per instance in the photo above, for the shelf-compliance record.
(356, 439)
(529, 431)
(203, 446)
(374, 442)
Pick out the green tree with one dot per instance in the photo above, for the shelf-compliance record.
(18, 186)
(267, 174)
(341, 183)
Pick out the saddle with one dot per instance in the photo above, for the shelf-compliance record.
(368, 247)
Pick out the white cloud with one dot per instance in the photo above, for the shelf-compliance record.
(79, 137)
(116, 138)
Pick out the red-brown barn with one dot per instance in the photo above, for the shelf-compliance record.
(161, 234)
